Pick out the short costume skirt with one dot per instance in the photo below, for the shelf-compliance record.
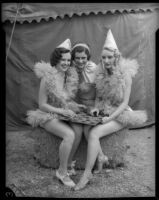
(39, 118)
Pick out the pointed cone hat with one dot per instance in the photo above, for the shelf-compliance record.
(66, 44)
(110, 41)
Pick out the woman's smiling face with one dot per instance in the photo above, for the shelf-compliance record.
(108, 58)
(80, 59)
(64, 62)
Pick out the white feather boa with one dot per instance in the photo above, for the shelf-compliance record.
(43, 69)
(59, 97)
(110, 91)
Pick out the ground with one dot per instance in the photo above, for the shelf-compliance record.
(137, 179)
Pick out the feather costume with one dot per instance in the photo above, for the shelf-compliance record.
(110, 93)
(58, 96)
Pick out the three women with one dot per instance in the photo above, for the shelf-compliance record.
(105, 89)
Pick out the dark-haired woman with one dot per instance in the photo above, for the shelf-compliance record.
(58, 87)
(87, 71)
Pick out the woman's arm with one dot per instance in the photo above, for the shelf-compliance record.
(43, 105)
(123, 105)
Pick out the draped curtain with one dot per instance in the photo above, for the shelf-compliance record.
(34, 40)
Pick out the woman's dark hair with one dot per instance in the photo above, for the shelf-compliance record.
(56, 55)
(80, 49)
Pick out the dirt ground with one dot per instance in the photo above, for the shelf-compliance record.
(137, 179)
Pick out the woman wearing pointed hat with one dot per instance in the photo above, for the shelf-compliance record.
(113, 83)
(87, 71)
(58, 87)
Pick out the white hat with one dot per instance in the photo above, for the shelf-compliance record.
(110, 41)
(81, 44)
(66, 44)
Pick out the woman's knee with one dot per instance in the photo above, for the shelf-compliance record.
(86, 131)
(78, 129)
(93, 135)
(69, 136)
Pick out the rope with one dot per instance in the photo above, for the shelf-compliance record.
(18, 7)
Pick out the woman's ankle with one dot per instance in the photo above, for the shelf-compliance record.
(62, 171)
(87, 174)
(100, 155)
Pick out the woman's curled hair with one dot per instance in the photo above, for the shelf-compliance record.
(56, 55)
(116, 52)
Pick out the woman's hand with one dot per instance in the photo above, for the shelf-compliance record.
(82, 107)
(106, 119)
(75, 107)
(94, 112)
(68, 113)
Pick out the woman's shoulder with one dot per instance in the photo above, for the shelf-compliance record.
(72, 70)
(72, 73)
(42, 68)
(92, 66)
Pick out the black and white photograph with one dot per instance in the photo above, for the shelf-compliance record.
(80, 99)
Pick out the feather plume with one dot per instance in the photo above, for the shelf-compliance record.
(34, 118)
(132, 118)
(128, 66)
(42, 68)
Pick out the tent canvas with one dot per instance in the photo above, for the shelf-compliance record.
(40, 27)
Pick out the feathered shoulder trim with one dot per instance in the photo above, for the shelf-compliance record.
(42, 68)
(129, 66)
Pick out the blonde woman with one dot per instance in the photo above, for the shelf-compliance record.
(113, 84)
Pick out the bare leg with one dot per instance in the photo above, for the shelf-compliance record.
(64, 131)
(87, 130)
(94, 147)
(78, 129)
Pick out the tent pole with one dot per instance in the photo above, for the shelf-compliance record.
(18, 7)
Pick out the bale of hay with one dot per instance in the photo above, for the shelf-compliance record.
(112, 145)
(46, 148)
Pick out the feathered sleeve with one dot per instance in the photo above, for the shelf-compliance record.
(41, 69)
(129, 67)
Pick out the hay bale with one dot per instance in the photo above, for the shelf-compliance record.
(112, 145)
(47, 148)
